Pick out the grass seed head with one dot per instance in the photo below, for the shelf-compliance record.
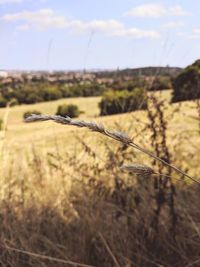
(138, 169)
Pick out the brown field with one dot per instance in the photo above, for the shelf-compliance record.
(65, 202)
(23, 136)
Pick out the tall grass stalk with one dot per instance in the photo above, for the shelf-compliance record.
(95, 127)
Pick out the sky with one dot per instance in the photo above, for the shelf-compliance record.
(98, 34)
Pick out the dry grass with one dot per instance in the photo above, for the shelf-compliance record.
(67, 203)
(56, 210)
(43, 135)
(99, 128)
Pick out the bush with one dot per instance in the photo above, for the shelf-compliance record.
(31, 98)
(186, 86)
(29, 113)
(3, 102)
(13, 102)
(161, 83)
(130, 85)
(35, 92)
(51, 93)
(114, 102)
(68, 110)
(84, 90)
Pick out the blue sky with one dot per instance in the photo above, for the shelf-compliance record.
(88, 34)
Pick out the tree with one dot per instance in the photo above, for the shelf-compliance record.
(114, 102)
(161, 83)
(3, 102)
(186, 86)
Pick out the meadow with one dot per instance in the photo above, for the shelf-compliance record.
(22, 136)
(66, 201)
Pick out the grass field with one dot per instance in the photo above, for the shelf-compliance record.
(64, 201)
(22, 136)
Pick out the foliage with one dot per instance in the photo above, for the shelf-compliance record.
(129, 85)
(86, 90)
(39, 90)
(161, 83)
(13, 102)
(3, 102)
(34, 92)
(114, 102)
(68, 110)
(30, 112)
(146, 71)
(187, 84)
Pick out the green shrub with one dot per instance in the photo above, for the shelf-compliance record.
(3, 102)
(38, 91)
(84, 90)
(31, 98)
(130, 85)
(161, 83)
(13, 102)
(30, 112)
(186, 86)
(68, 110)
(114, 102)
(50, 93)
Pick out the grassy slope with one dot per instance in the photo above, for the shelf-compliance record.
(17, 130)
(23, 136)
(47, 209)
(19, 133)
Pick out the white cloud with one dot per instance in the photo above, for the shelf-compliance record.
(45, 19)
(10, 1)
(106, 26)
(177, 11)
(156, 11)
(136, 33)
(174, 24)
(41, 19)
(3, 2)
(195, 34)
(148, 10)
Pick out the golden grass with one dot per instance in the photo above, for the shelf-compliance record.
(20, 136)
(60, 204)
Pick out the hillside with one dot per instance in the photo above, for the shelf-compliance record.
(73, 197)
(43, 135)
